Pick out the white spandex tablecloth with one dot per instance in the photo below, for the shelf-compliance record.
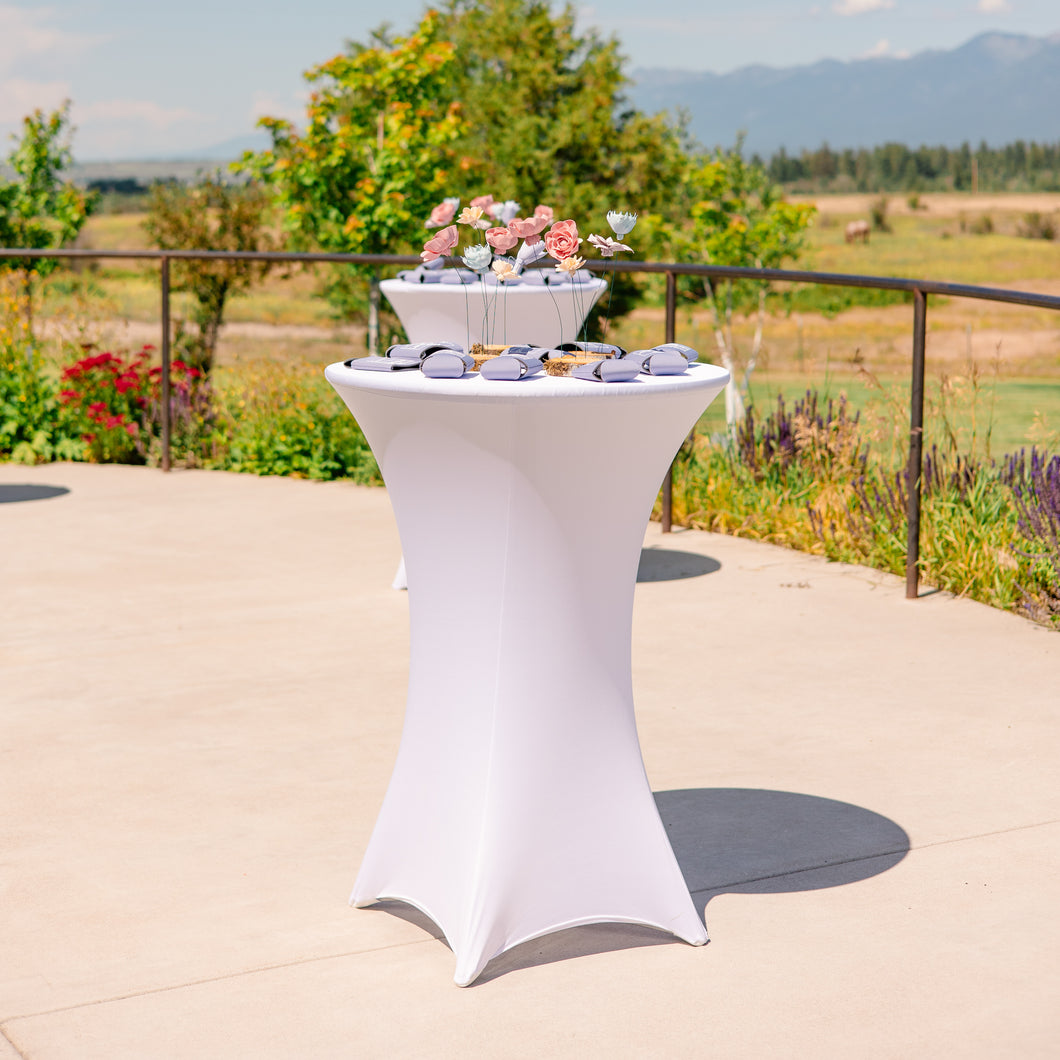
(519, 804)
(517, 313)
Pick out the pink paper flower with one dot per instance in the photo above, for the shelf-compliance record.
(545, 212)
(484, 202)
(443, 213)
(441, 244)
(530, 229)
(501, 239)
(607, 246)
(562, 240)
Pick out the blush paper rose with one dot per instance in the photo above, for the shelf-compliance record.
(529, 230)
(483, 202)
(501, 239)
(546, 212)
(443, 213)
(562, 240)
(441, 244)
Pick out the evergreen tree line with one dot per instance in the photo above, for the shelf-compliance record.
(1019, 166)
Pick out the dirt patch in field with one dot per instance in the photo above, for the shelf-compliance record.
(941, 204)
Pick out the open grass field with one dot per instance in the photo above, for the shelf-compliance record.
(862, 351)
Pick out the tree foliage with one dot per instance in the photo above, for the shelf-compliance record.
(373, 157)
(209, 215)
(40, 209)
(545, 118)
(733, 214)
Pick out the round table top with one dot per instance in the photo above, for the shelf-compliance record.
(508, 290)
(472, 387)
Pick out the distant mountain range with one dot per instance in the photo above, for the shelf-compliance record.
(999, 87)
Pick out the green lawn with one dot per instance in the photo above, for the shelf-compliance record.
(1004, 415)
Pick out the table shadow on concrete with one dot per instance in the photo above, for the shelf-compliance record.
(668, 565)
(727, 841)
(752, 841)
(14, 492)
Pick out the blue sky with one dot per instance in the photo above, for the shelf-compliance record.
(154, 80)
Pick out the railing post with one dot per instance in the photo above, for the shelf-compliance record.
(671, 336)
(915, 465)
(164, 392)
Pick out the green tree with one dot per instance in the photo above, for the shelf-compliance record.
(40, 209)
(733, 214)
(546, 120)
(374, 156)
(209, 215)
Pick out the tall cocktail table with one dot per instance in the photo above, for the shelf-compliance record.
(519, 804)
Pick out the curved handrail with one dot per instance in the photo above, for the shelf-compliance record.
(920, 289)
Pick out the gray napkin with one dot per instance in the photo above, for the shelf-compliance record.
(609, 371)
(659, 361)
(594, 347)
(419, 350)
(687, 352)
(510, 366)
(382, 364)
(446, 364)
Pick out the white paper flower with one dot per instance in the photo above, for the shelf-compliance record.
(607, 246)
(529, 252)
(621, 223)
(505, 211)
(478, 257)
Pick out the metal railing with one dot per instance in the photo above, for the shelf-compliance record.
(920, 289)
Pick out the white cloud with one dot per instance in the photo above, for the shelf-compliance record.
(267, 105)
(993, 7)
(30, 34)
(19, 97)
(861, 7)
(882, 49)
(138, 111)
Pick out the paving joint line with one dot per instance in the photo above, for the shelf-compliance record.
(210, 979)
(7, 1038)
(871, 857)
(431, 938)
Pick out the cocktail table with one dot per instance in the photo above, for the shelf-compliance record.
(519, 803)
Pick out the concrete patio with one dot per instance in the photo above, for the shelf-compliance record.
(201, 690)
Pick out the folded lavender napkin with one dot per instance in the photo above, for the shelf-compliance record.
(420, 350)
(659, 361)
(510, 366)
(446, 364)
(594, 347)
(608, 371)
(382, 364)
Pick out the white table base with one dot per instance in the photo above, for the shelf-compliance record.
(519, 803)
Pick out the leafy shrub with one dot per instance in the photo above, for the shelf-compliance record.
(805, 476)
(286, 420)
(878, 213)
(1036, 494)
(1037, 226)
(116, 405)
(32, 428)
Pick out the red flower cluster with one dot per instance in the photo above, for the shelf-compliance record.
(118, 400)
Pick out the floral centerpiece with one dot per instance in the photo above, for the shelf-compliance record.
(502, 229)
(499, 297)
